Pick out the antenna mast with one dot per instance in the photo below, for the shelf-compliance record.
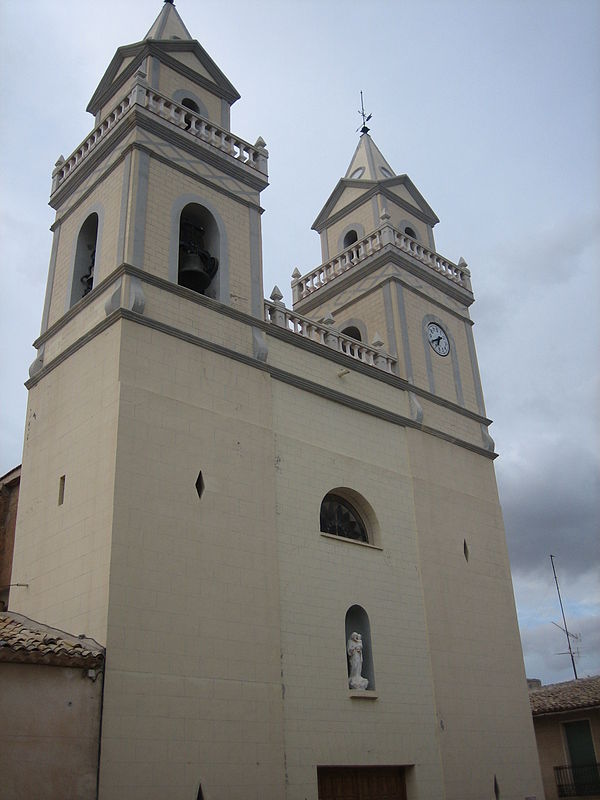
(564, 620)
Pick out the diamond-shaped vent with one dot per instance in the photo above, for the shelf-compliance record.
(200, 485)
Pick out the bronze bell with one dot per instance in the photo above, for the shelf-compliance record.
(197, 267)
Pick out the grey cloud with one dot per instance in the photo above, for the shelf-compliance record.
(550, 499)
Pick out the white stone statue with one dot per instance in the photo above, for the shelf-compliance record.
(355, 659)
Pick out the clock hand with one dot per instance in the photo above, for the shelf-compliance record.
(437, 341)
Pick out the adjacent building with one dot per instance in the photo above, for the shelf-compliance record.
(566, 718)
(50, 707)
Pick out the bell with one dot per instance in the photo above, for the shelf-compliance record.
(196, 270)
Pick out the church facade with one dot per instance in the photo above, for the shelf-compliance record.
(283, 524)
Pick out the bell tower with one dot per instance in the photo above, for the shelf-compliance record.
(146, 444)
(382, 279)
(157, 183)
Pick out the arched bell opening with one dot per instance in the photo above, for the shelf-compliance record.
(191, 104)
(198, 250)
(85, 259)
(352, 331)
(350, 238)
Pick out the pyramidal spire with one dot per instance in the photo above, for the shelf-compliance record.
(368, 164)
(168, 24)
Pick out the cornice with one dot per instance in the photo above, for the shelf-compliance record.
(111, 82)
(371, 188)
(87, 167)
(275, 372)
(240, 316)
(409, 287)
(195, 146)
(223, 89)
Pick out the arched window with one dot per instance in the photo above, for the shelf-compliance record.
(191, 104)
(410, 232)
(352, 331)
(350, 238)
(85, 259)
(198, 250)
(340, 518)
(359, 649)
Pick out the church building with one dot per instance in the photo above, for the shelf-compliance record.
(282, 524)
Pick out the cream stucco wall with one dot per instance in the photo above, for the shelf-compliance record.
(193, 686)
(479, 677)
(49, 733)
(322, 577)
(62, 552)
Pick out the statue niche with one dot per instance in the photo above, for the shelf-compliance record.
(197, 267)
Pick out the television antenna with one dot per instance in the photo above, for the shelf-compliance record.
(565, 630)
(365, 117)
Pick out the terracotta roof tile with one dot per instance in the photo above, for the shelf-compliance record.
(567, 696)
(27, 641)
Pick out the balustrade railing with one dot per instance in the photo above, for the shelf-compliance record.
(277, 314)
(454, 273)
(255, 156)
(578, 781)
(304, 285)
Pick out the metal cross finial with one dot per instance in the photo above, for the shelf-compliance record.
(365, 117)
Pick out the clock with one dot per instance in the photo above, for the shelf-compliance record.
(438, 339)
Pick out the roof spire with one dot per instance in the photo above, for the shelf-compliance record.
(168, 24)
(364, 116)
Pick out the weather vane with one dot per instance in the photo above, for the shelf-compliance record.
(365, 118)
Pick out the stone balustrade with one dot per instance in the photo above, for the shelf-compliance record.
(304, 285)
(457, 274)
(255, 156)
(277, 314)
(64, 167)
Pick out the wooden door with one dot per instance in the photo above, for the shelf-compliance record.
(361, 783)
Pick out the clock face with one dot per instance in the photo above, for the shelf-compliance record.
(438, 339)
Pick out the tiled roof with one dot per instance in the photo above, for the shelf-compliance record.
(568, 696)
(26, 641)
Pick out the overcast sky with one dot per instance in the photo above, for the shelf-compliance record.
(492, 108)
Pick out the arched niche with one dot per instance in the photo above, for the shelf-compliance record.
(357, 621)
(190, 100)
(84, 262)
(353, 332)
(349, 235)
(355, 328)
(196, 229)
(408, 227)
(350, 238)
